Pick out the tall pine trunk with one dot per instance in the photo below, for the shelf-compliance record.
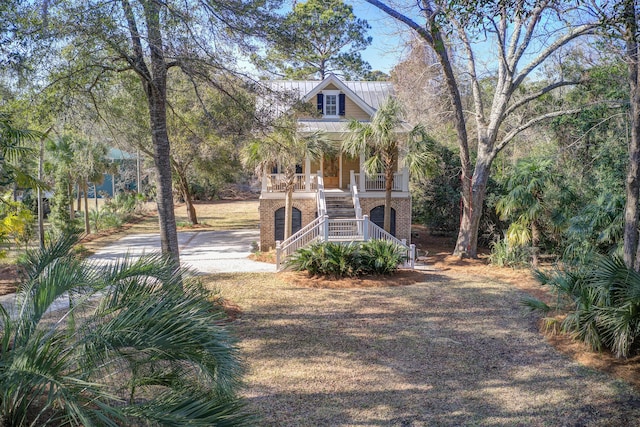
(85, 189)
(631, 250)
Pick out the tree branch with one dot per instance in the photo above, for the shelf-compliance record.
(402, 18)
(471, 67)
(509, 136)
(566, 38)
(538, 94)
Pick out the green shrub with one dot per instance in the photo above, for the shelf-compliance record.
(139, 344)
(601, 303)
(326, 259)
(381, 257)
(505, 255)
(348, 259)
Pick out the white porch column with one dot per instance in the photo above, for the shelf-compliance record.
(307, 173)
(405, 180)
(264, 179)
(363, 178)
(340, 170)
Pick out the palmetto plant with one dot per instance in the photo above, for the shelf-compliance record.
(287, 147)
(348, 259)
(326, 259)
(602, 304)
(131, 347)
(381, 257)
(525, 203)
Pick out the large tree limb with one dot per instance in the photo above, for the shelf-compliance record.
(538, 94)
(519, 47)
(512, 134)
(138, 53)
(471, 69)
(404, 19)
(566, 38)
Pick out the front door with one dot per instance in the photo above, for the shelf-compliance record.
(331, 171)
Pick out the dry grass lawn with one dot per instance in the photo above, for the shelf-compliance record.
(444, 352)
(221, 215)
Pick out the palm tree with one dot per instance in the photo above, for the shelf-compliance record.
(387, 143)
(525, 201)
(137, 344)
(12, 149)
(287, 147)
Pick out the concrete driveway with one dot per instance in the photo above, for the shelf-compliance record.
(204, 251)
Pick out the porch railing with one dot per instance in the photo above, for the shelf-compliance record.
(303, 237)
(377, 182)
(324, 229)
(276, 182)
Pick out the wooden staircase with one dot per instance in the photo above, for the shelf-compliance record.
(340, 206)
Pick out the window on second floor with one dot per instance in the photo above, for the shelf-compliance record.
(331, 105)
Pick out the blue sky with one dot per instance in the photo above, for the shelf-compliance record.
(389, 37)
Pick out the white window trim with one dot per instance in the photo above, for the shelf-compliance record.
(336, 93)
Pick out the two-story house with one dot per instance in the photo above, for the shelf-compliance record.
(334, 187)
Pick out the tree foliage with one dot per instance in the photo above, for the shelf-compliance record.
(145, 39)
(318, 37)
(387, 144)
(132, 347)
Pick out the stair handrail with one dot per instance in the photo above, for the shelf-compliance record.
(303, 237)
(356, 200)
(320, 196)
(379, 233)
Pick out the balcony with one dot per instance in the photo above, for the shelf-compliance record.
(275, 183)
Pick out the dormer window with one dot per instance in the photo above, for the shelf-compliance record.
(331, 103)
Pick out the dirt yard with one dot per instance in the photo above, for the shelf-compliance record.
(444, 351)
(449, 345)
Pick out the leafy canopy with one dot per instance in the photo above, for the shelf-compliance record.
(317, 38)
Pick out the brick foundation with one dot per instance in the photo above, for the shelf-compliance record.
(268, 208)
(403, 214)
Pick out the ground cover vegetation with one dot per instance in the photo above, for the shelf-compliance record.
(136, 343)
(375, 257)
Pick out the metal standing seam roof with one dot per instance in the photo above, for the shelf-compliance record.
(373, 93)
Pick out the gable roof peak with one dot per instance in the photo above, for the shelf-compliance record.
(333, 79)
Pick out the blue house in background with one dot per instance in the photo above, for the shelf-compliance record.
(126, 177)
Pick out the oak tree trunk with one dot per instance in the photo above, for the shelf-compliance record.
(188, 199)
(467, 243)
